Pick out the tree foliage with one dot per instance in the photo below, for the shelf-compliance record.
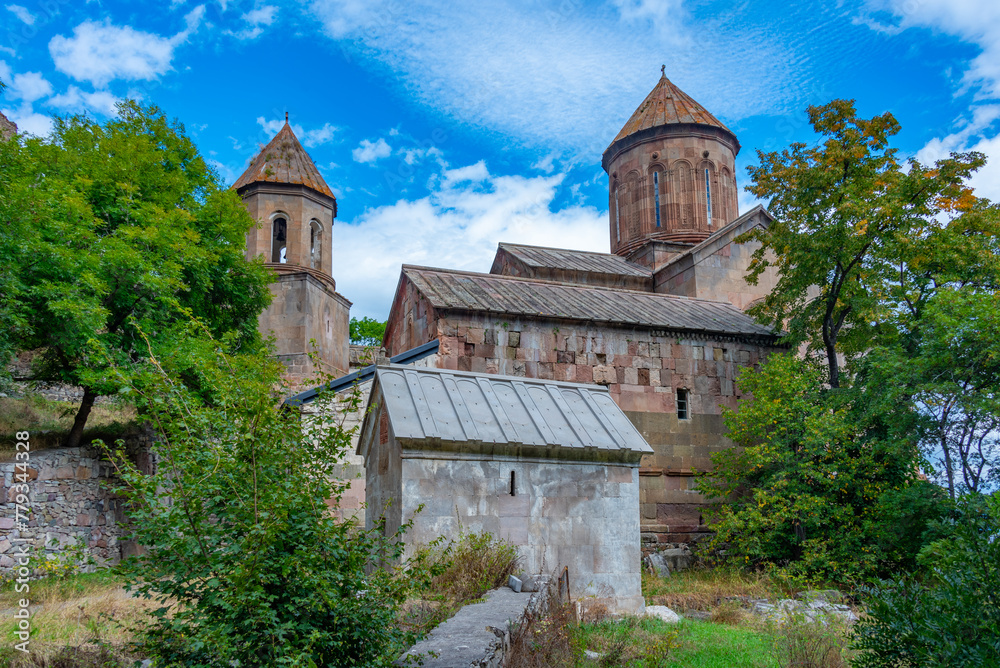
(951, 616)
(821, 482)
(846, 213)
(367, 331)
(116, 226)
(248, 565)
(893, 269)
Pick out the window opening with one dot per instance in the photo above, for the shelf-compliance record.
(315, 245)
(618, 228)
(708, 197)
(512, 488)
(656, 195)
(279, 233)
(682, 404)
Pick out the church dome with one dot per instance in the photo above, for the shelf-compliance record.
(284, 160)
(671, 172)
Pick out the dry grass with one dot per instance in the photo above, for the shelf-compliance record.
(801, 643)
(707, 589)
(74, 618)
(49, 422)
(545, 637)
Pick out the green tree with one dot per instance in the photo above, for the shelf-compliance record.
(248, 565)
(367, 331)
(821, 482)
(846, 212)
(116, 226)
(949, 617)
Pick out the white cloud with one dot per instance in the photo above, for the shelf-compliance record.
(22, 13)
(29, 120)
(76, 101)
(317, 136)
(368, 152)
(101, 52)
(457, 226)
(568, 76)
(29, 86)
(975, 21)
(973, 135)
(256, 20)
(309, 138)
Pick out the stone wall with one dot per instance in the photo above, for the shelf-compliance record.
(70, 501)
(643, 369)
(306, 309)
(584, 515)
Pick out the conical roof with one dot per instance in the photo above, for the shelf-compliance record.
(284, 160)
(667, 104)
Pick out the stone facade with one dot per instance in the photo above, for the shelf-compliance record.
(307, 311)
(643, 370)
(70, 502)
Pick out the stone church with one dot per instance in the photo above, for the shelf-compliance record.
(659, 322)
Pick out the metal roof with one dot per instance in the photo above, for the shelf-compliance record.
(667, 104)
(284, 160)
(489, 293)
(452, 406)
(364, 374)
(574, 260)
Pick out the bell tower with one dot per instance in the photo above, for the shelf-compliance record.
(671, 172)
(295, 209)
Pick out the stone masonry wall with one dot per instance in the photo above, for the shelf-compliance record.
(584, 515)
(643, 369)
(70, 502)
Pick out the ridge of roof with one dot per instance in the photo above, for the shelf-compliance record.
(718, 233)
(463, 291)
(283, 160)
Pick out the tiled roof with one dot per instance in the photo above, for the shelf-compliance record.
(489, 293)
(667, 104)
(284, 160)
(437, 405)
(574, 260)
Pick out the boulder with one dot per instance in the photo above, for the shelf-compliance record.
(663, 612)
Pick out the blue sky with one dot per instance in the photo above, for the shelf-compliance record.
(445, 130)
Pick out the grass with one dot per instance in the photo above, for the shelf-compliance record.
(708, 589)
(734, 638)
(49, 422)
(82, 620)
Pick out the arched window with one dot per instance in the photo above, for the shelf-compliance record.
(656, 196)
(315, 245)
(279, 237)
(708, 197)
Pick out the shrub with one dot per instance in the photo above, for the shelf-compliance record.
(952, 616)
(474, 564)
(812, 643)
(245, 560)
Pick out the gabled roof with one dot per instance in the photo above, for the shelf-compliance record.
(574, 260)
(284, 160)
(718, 239)
(468, 291)
(667, 104)
(431, 407)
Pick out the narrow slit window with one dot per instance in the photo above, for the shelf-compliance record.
(618, 229)
(513, 489)
(656, 195)
(708, 197)
(682, 405)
